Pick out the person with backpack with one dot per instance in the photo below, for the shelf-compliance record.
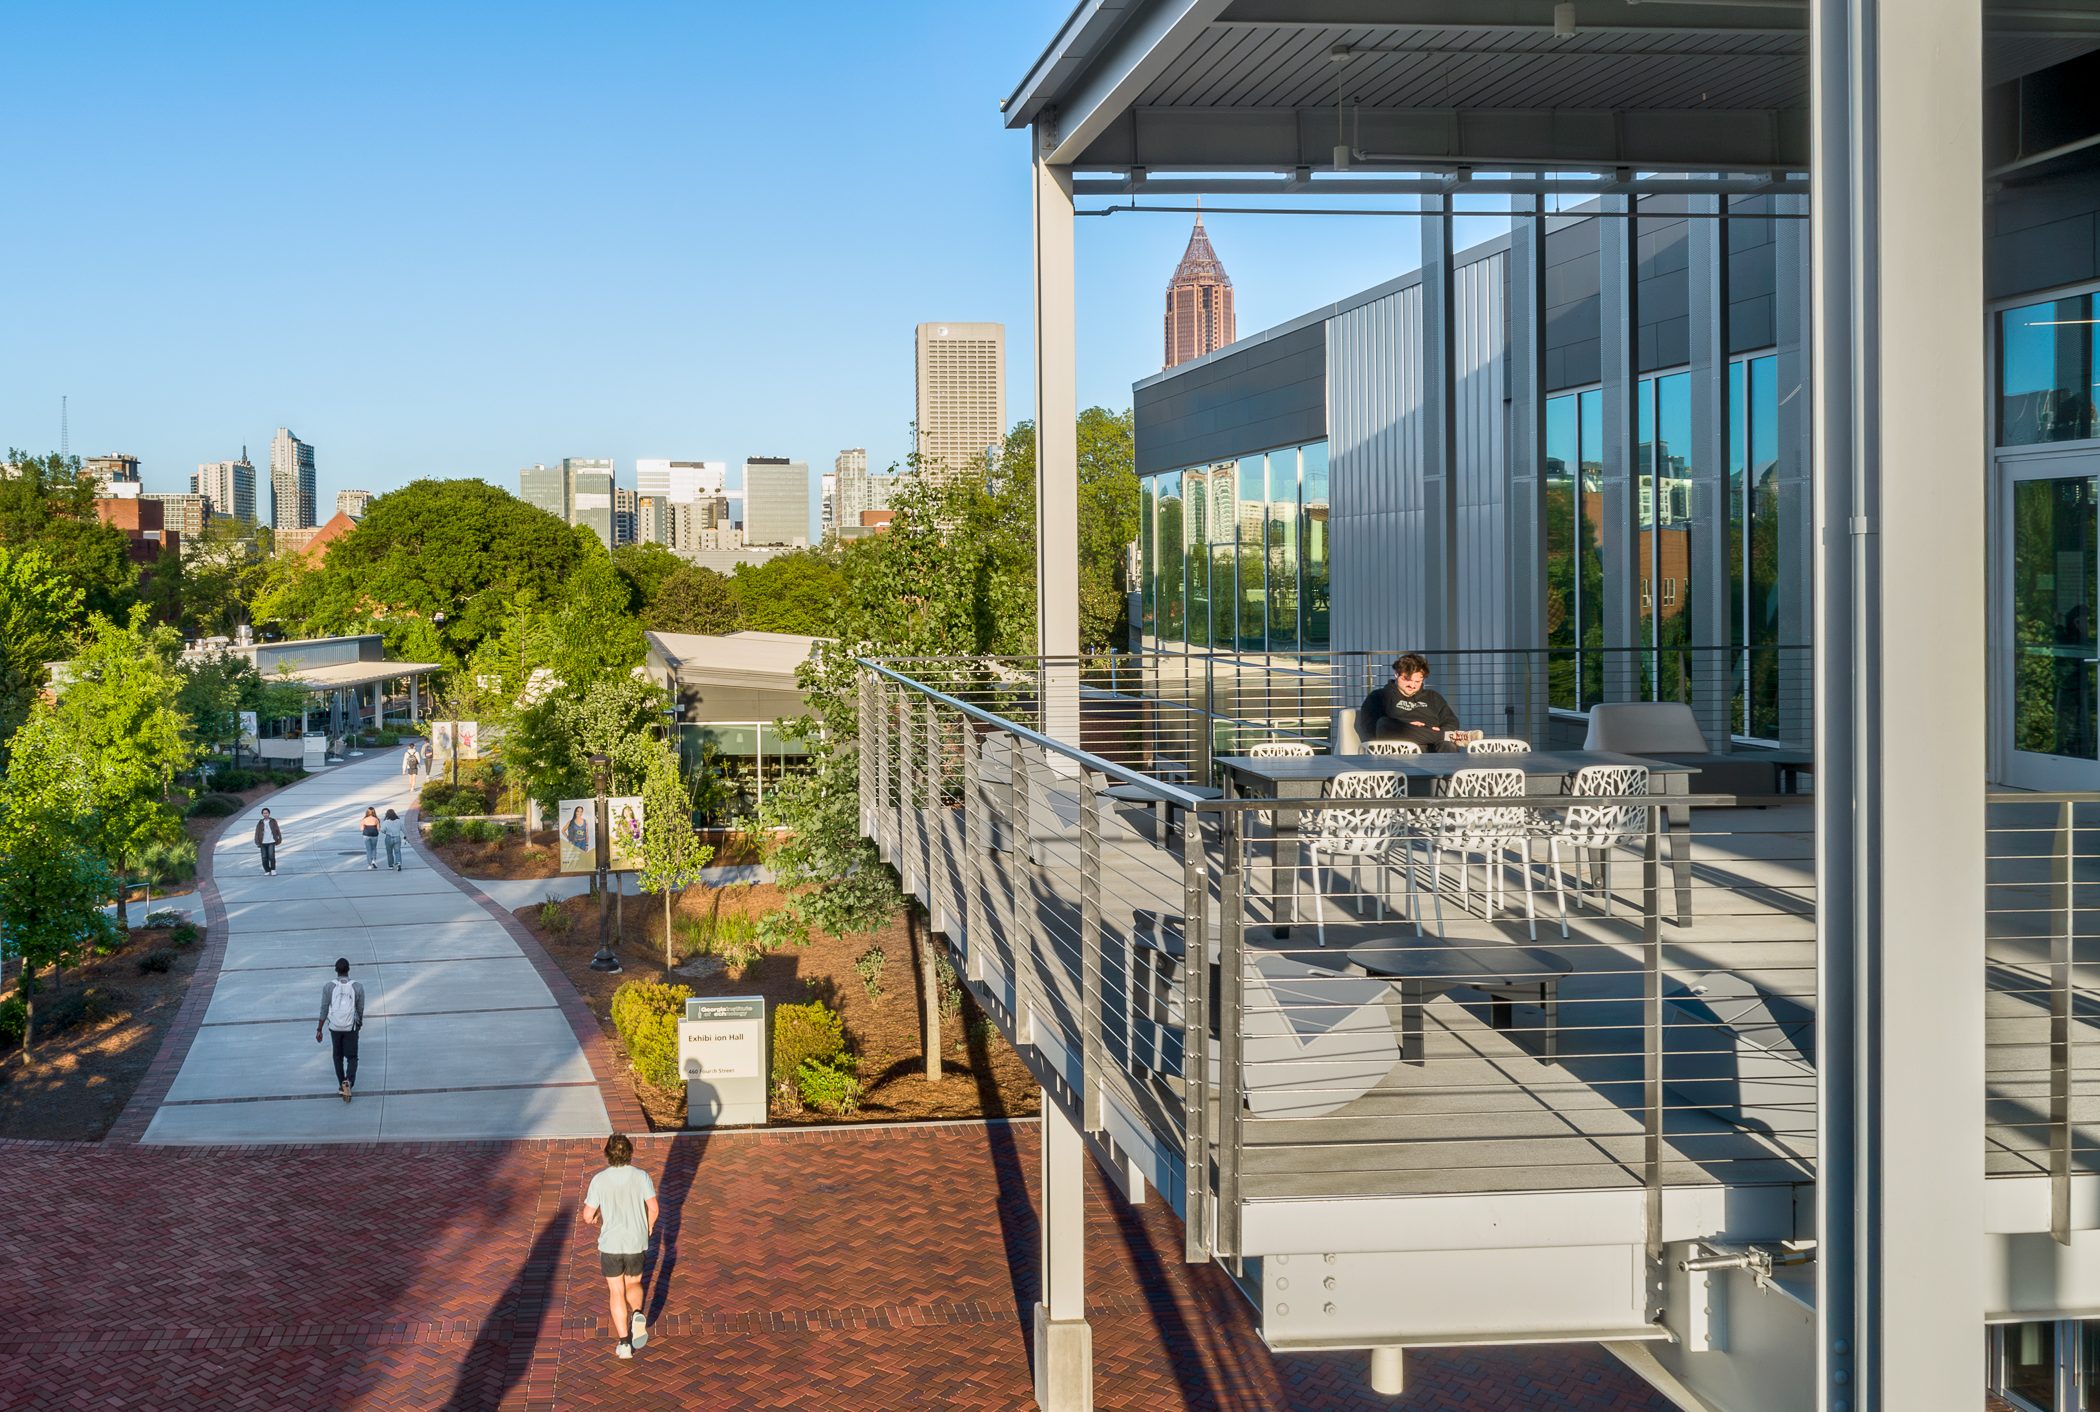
(390, 833)
(267, 837)
(342, 1015)
(621, 1202)
(369, 827)
(412, 766)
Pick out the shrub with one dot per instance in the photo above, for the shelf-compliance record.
(869, 964)
(215, 806)
(73, 1008)
(184, 933)
(173, 862)
(234, 781)
(382, 738)
(804, 1033)
(14, 1018)
(828, 1088)
(444, 831)
(947, 986)
(554, 917)
(647, 1015)
(156, 963)
(483, 831)
(164, 917)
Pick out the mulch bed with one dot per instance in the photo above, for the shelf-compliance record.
(73, 1084)
(981, 1076)
(516, 855)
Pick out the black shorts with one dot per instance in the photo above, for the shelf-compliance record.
(615, 1265)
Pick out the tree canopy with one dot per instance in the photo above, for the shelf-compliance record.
(45, 505)
(37, 607)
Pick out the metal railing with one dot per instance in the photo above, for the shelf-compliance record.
(1145, 945)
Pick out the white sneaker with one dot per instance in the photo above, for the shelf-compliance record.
(638, 1330)
(623, 1350)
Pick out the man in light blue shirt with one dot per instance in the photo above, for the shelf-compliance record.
(621, 1202)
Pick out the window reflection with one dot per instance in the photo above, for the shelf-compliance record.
(2045, 372)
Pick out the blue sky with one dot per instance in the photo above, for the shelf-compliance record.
(455, 239)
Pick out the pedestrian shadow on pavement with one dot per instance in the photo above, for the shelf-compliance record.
(524, 1301)
(680, 1164)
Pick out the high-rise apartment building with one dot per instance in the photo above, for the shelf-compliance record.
(961, 376)
(776, 501)
(291, 482)
(353, 503)
(228, 485)
(546, 487)
(116, 476)
(684, 481)
(828, 505)
(186, 514)
(860, 492)
(626, 515)
(590, 482)
(1199, 302)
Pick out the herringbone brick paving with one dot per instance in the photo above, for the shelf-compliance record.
(873, 1268)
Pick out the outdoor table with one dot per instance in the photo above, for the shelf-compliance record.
(1306, 776)
(1422, 969)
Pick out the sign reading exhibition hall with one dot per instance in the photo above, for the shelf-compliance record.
(722, 1054)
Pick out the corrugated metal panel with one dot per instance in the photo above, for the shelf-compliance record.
(1377, 520)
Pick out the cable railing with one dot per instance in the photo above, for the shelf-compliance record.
(1327, 978)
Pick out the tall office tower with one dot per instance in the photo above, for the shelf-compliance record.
(229, 485)
(624, 515)
(1199, 302)
(546, 487)
(776, 500)
(116, 476)
(291, 482)
(961, 371)
(682, 481)
(353, 503)
(591, 495)
(828, 505)
(185, 514)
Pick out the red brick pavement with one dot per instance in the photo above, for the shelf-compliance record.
(613, 1085)
(868, 1268)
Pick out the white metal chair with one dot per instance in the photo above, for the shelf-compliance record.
(1279, 749)
(1338, 832)
(1596, 828)
(1488, 830)
(1498, 745)
(1391, 747)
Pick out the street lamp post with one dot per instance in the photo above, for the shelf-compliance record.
(604, 960)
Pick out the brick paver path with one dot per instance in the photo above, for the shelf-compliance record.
(876, 1268)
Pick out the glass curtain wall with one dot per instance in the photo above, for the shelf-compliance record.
(1233, 555)
(1668, 534)
(1753, 544)
(1574, 553)
(2046, 359)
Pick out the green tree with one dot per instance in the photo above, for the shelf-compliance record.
(1108, 516)
(120, 712)
(45, 505)
(216, 688)
(798, 592)
(553, 739)
(693, 599)
(52, 883)
(211, 588)
(644, 567)
(672, 853)
(37, 607)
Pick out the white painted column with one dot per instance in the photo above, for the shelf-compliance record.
(1898, 393)
(1064, 1341)
(1056, 443)
(415, 687)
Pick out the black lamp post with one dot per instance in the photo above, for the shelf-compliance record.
(600, 771)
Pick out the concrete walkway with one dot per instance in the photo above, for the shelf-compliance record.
(462, 1038)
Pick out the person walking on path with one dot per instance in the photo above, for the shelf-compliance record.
(369, 827)
(390, 831)
(267, 837)
(621, 1202)
(412, 768)
(342, 1015)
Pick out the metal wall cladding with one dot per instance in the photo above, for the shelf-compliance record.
(1386, 547)
(1266, 391)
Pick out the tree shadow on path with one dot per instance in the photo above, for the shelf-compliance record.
(522, 1307)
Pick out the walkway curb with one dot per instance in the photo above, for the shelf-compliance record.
(614, 1090)
(131, 1124)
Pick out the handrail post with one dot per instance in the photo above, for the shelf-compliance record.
(1092, 1050)
(1232, 991)
(908, 858)
(1027, 984)
(1651, 1051)
(877, 723)
(864, 749)
(976, 837)
(2061, 994)
(930, 819)
(1198, 1210)
(1210, 716)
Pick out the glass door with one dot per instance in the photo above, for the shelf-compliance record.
(2049, 639)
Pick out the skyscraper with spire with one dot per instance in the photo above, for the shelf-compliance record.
(1199, 301)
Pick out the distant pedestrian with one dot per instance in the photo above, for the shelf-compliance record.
(390, 830)
(369, 827)
(621, 1202)
(342, 1015)
(267, 837)
(412, 766)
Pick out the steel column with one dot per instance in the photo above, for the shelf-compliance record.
(1064, 1343)
(1623, 562)
(1093, 1053)
(1439, 437)
(1056, 438)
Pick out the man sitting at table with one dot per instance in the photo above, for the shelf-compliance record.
(1405, 709)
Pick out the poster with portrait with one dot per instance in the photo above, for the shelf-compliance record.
(624, 830)
(576, 825)
(467, 734)
(440, 744)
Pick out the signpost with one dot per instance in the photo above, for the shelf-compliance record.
(722, 1054)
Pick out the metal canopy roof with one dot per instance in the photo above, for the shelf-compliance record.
(1276, 85)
